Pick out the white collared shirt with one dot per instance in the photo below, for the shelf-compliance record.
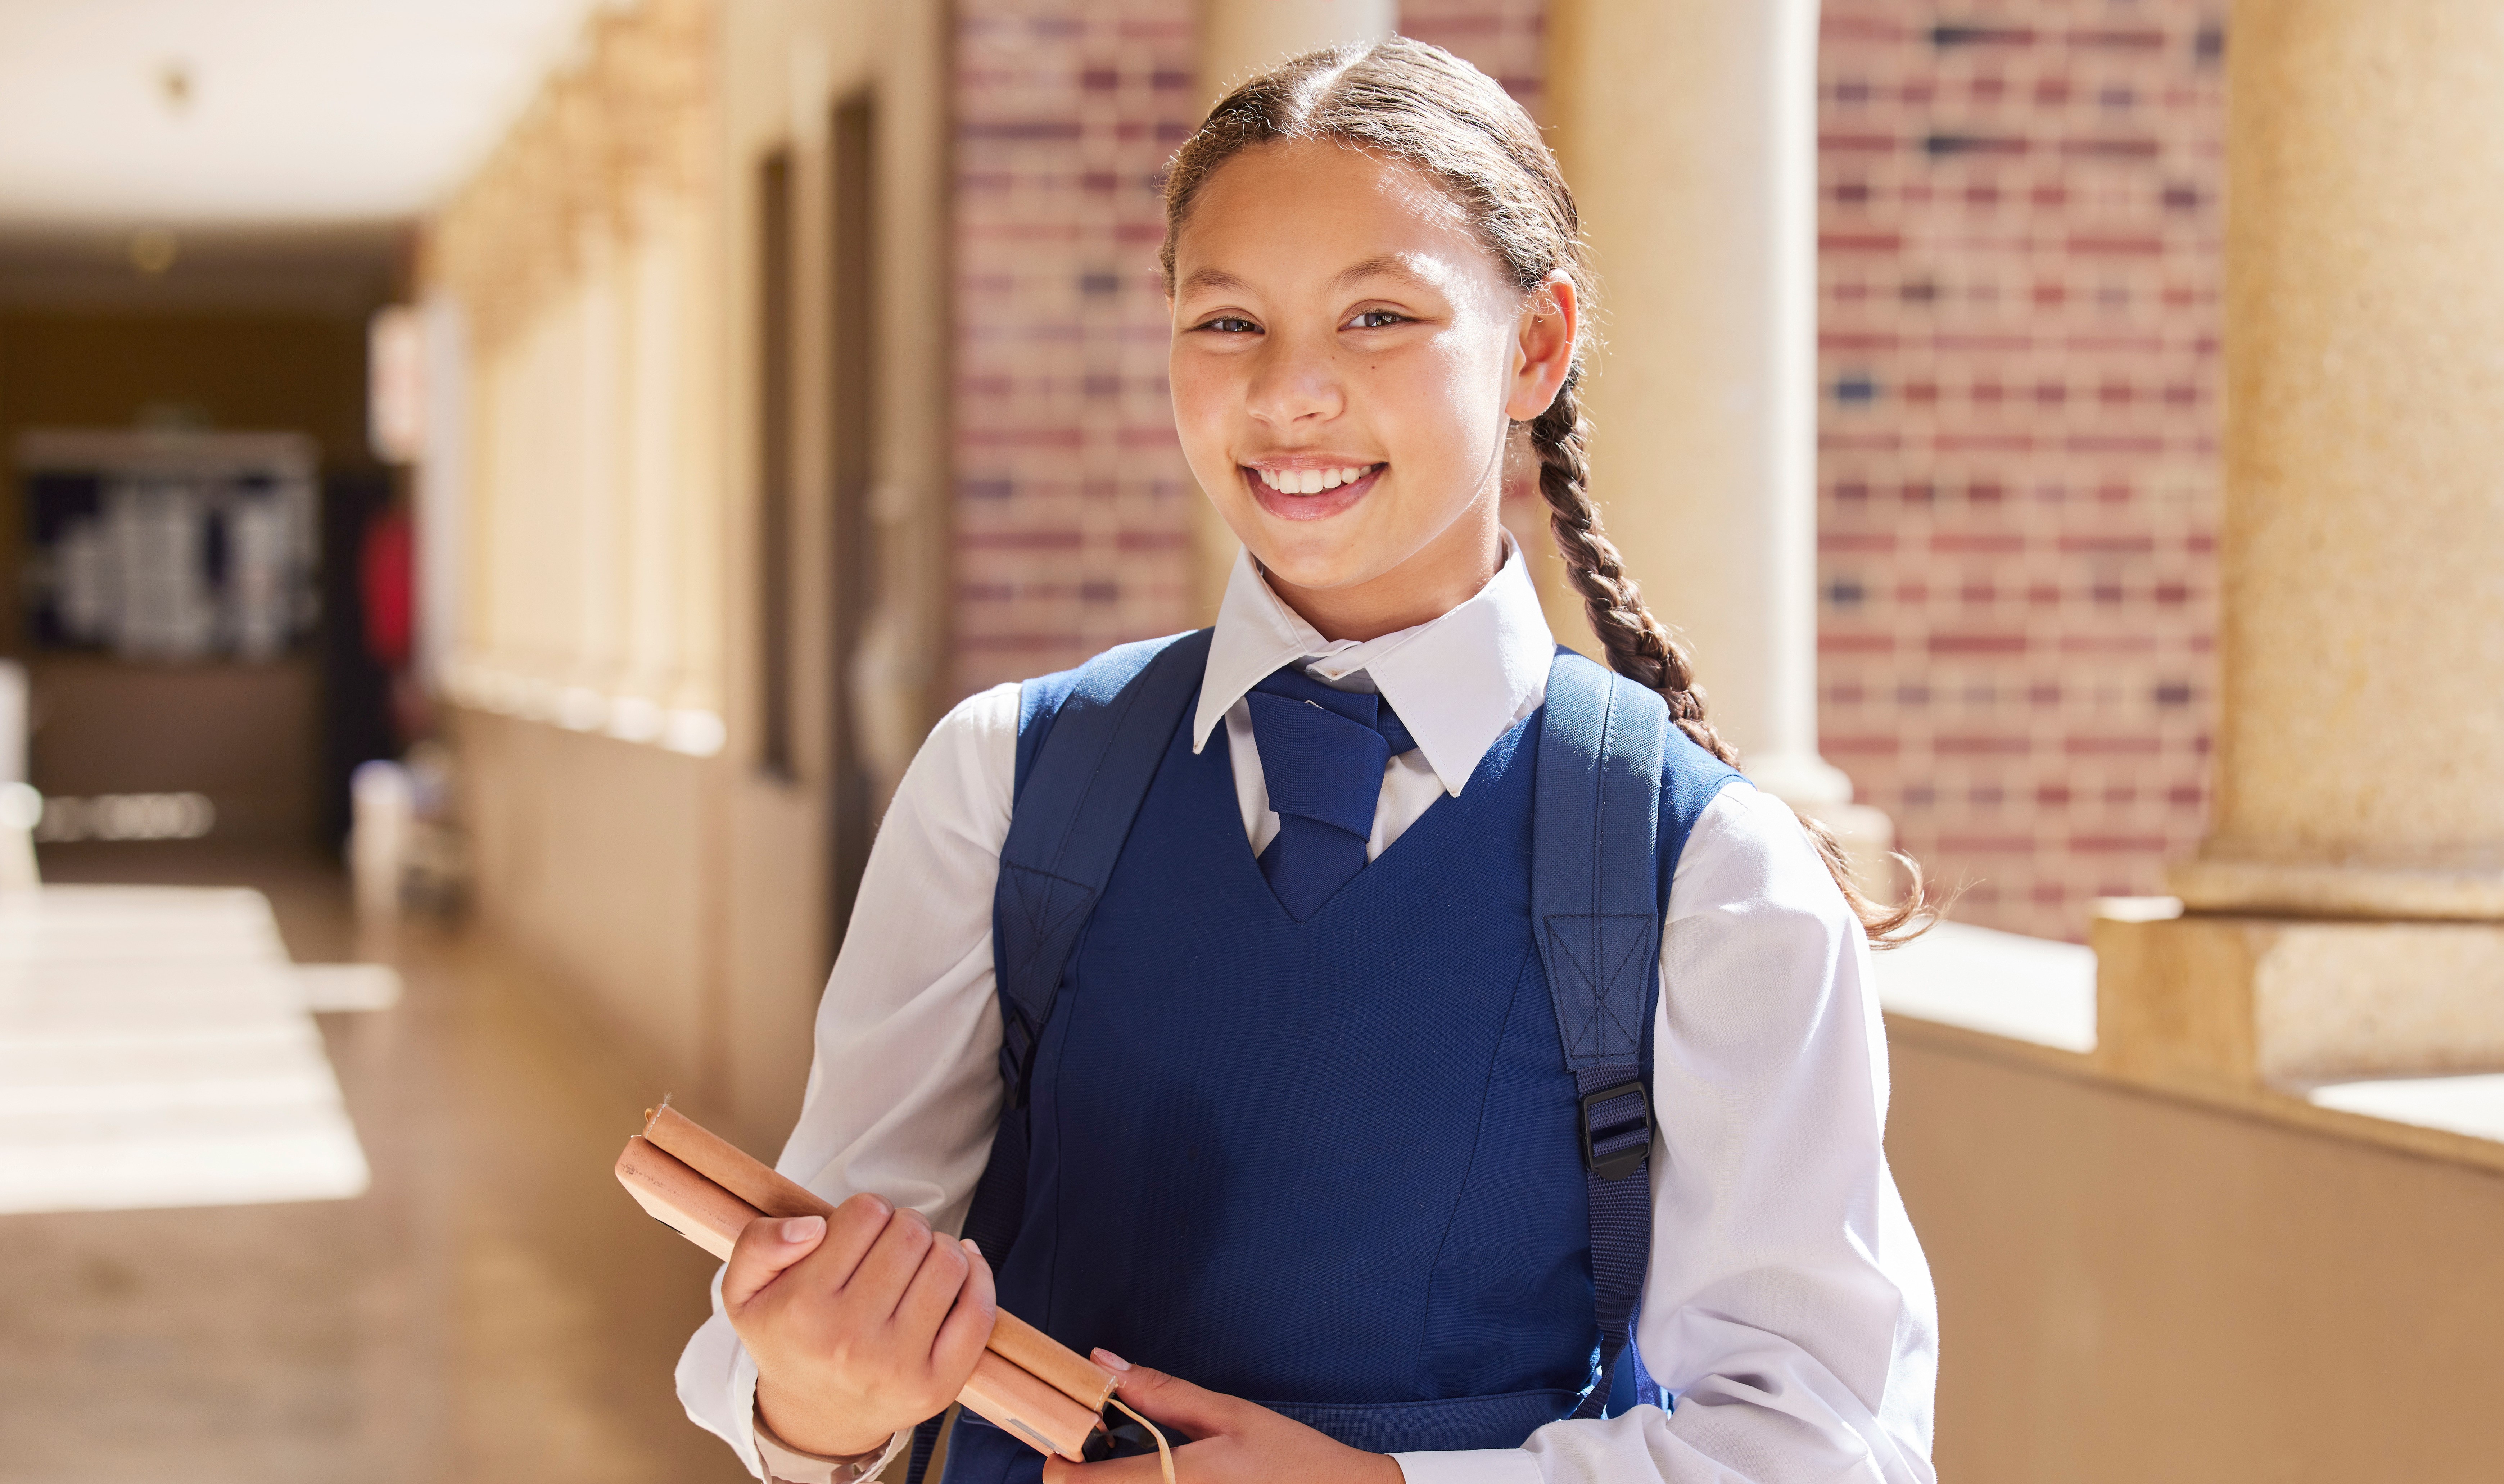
(1787, 1306)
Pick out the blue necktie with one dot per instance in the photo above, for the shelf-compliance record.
(1322, 752)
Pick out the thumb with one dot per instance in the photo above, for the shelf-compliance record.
(767, 1247)
(1172, 1402)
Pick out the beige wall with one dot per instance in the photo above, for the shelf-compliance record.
(2132, 1287)
(601, 858)
(688, 895)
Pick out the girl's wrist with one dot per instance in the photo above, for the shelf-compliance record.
(794, 1427)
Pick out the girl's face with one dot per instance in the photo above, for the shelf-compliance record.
(1347, 359)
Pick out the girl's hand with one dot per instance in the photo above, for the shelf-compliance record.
(1233, 1441)
(860, 1325)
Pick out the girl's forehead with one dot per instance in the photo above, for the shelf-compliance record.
(1295, 209)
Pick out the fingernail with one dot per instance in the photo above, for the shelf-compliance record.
(885, 1207)
(804, 1228)
(1109, 1361)
(972, 1246)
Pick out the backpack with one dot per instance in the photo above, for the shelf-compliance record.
(1616, 793)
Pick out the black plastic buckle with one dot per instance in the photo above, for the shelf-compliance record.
(1625, 1161)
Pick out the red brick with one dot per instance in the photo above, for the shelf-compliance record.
(1977, 643)
(1983, 745)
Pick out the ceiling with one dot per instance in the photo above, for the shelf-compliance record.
(258, 112)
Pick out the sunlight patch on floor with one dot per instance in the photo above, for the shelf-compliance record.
(157, 1049)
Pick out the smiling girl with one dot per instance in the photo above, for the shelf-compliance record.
(1416, 1043)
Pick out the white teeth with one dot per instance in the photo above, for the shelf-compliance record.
(1311, 481)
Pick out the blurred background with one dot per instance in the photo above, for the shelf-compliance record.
(498, 489)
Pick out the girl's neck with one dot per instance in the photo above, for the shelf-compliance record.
(1446, 572)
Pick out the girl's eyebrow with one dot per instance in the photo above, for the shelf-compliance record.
(1388, 265)
(1212, 278)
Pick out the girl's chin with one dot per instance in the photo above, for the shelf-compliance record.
(1281, 505)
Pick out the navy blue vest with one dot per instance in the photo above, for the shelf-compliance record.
(1331, 1166)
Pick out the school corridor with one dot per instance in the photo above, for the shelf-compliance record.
(498, 491)
(480, 1309)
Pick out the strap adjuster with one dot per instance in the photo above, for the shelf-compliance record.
(1624, 1157)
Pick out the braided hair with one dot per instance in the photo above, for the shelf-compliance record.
(1405, 100)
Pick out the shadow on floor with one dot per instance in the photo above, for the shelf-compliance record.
(493, 1311)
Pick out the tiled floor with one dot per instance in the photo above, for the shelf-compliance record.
(492, 1311)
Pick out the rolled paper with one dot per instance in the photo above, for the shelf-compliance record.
(696, 1208)
(1027, 1383)
(1046, 1359)
(1014, 1401)
(729, 1167)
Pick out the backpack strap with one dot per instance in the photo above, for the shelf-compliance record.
(1089, 742)
(1599, 886)
(1107, 728)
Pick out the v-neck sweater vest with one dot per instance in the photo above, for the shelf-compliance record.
(1329, 1166)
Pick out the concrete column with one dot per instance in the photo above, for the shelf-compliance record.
(1238, 38)
(1688, 131)
(2346, 911)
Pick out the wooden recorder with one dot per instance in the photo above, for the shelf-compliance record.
(1027, 1383)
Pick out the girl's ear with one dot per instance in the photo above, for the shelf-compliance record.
(1543, 347)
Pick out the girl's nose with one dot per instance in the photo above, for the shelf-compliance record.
(1293, 383)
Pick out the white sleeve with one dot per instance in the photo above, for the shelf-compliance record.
(1787, 1306)
(904, 1093)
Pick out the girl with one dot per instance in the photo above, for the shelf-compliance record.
(1293, 1066)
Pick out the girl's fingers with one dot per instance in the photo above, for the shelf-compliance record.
(877, 1286)
(930, 1294)
(766, 1248)
(850, 1232)
(1173, 1403)
(969, 1326)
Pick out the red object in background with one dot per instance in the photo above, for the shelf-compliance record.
(387, 580)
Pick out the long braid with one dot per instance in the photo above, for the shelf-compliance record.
(1408, 101)
(1641, 648)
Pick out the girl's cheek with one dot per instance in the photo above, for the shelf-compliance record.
(1198, 404)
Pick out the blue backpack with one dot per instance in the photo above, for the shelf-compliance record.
(1617, 791)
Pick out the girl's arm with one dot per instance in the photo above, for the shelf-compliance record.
(904, 1092)
(1787, 1307)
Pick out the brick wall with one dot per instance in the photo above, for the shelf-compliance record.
(1074, 508)
(1073, 503)
(2019, 318)
(2018, 481)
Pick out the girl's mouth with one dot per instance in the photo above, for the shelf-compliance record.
(1310, 494)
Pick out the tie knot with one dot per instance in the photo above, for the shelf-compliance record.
(1290, 683)
(1322, 750)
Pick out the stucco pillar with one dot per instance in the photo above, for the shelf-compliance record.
(1238, 37)
(2347, 911)
(1688, 131)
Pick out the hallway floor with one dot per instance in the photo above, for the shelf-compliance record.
(494, 1309)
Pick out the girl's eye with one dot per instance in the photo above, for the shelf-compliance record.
(1377, 319)
(1229, 325)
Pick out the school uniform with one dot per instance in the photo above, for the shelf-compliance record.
(1292, 1133)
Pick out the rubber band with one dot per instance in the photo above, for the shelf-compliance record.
(1164, 1455)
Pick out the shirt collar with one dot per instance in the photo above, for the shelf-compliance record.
(1458, 681)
